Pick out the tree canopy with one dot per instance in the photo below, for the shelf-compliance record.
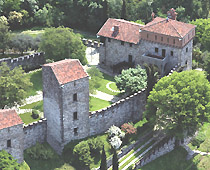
(60, 43)
(4, 36)
(7, 161)
(13, 86)
(179, 103)
(132, 80)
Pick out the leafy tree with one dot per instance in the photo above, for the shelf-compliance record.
(13, 86)
(179, 103)
(115, 162)
(60, 43)
(3, 20)
(139, 22)
(4, 37)
(7, 161)
(105, 10)
(95, 77)
(15, 19)
(95, 145)
(206, 64)
(10, 5)
(103, 165)
(132, 80)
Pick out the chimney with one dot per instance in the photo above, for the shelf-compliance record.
(153, 16)
(116, 28)
(172, 14)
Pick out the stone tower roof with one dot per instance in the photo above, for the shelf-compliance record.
(8, 118)
(67, 70)
(168, 27)
(121, 30)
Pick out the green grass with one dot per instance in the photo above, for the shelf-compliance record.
(36, 105)
(56, 162)
(113, 86)
(27, 118)
(86, 35)
(97, 104)
(36, 80)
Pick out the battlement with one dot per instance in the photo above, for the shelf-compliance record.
(36, 123)
(91, 43)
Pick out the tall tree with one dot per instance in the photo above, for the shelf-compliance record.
(124, 11)
(4, 37)
(115, 163)
(13, 86)
(103, 165)
(105, 10)
(180, 103)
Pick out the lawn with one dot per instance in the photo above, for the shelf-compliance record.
(36, 80)
(36, 105)
(97, 104)
(27, 118)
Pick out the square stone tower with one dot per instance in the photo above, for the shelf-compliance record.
(11, 134)
(66, 102)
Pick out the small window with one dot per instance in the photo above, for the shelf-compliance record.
(188, 36)
(75, 116)
(174, 41)
(9, 143)
(172, 53)
(109, 39)
(168, 40)
(131, 44)
(186, 49)
(122, 42)
(74, 83)
(156, 50)
(75, 97)
(156, 37)
(75, 131)
(161, 38)
(147, 36)
(130, 58)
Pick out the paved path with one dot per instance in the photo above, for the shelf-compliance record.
(92, 56)
(32, 99)
(115, 91)
(105, 96)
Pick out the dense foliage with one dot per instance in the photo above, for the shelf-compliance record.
(103, 165)
(60, 43)
(179, 103)
(115, 163)
(7, 161)
(132, 80)
(4, 36)
(13, 86)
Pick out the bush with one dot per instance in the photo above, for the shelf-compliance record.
(7, 161)
(205, 146)
(40, 151)
(128, 128)
(115, 131)
(95, 145)
(35, 114)
(200, 138)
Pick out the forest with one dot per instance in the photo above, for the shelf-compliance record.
(90, 15)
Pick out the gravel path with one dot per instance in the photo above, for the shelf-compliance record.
(115, 91)
(32, 99)
(92, 56)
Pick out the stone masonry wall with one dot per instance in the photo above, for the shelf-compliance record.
(35, 132)
(29, 62)
(15, 134)
(125, 110)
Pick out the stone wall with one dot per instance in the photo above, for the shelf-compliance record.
(16, 136)
(125, 110)
(28, 62)
(35, 132)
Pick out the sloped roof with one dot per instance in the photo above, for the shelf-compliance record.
(8, 118)
(168, 27)
(128, 31)
(67, 70)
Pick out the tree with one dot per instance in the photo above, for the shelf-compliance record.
(115, 162)
(95, 77)
(132, 80)
(15, 19)
(60, 43)
(103, 165)
(4, 37)
(180, 103)
(105, 10)
(124, 11)
(13, 86)
(7, 161)
(206, 63)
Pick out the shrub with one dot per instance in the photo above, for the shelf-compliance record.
(7, 161)
(200, 138)
(205, 146)
(35, 114)
(115, 142)
(95, 145)
(40, 151)
(128, 128)
(115, 131)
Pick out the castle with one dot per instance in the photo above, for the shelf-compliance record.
(163, 42)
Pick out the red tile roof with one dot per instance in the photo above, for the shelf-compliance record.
(168, 27)
(128, 31)
(67, 70)
(8, 118)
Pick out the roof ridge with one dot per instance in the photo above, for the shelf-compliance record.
(176, 30)
(146, 26)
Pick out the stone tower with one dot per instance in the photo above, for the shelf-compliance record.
(66, 102)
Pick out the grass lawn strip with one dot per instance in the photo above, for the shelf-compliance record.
(97, 104)
(27, 118)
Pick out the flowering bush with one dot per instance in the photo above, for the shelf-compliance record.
(115, 142)
(115, 131)
(128, 128)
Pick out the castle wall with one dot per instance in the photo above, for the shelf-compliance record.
(35, 132)
(29, 62)
(15, 134)
(125, 110)
(81, 107)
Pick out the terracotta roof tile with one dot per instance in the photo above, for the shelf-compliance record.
(8, 118)
(169, 27)
(128, 31)
(67, 70)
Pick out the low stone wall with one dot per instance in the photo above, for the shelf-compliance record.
(35, 132)
(129, 109)
(28, 62)
(162, 148)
